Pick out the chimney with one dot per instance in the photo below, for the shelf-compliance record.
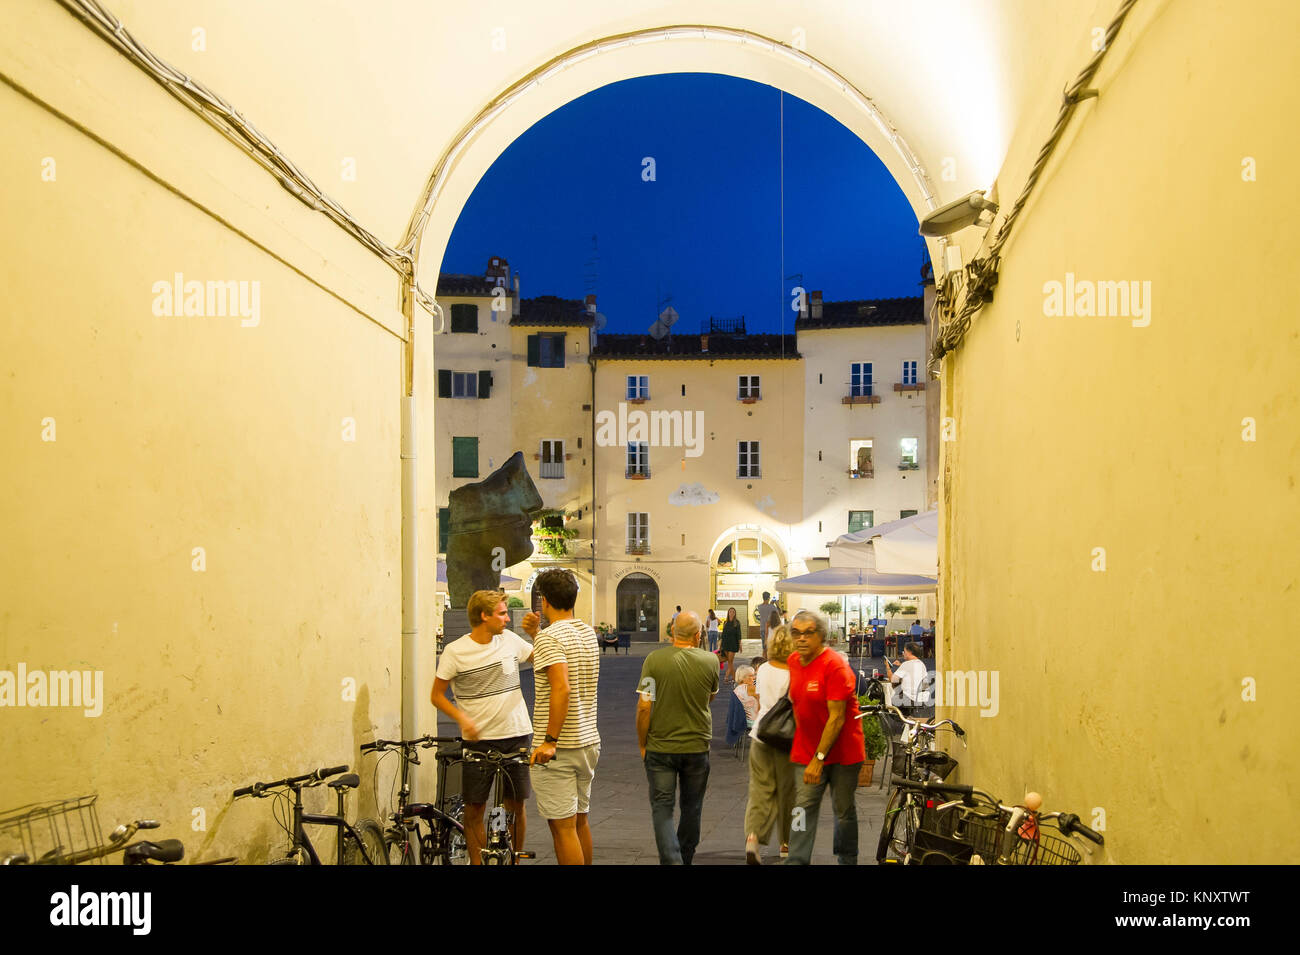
(815, 302)
(497, 270)
(704, 344)
(591, 304)
(514, 307)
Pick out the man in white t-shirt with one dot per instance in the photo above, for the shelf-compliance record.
(912, 678)
(482, 670)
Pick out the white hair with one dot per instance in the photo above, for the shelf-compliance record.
(743, 672)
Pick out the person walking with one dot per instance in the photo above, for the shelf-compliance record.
(713, 625)
(731, 641)
(674, 727)
(769, 616)
(828, 745)
(566, 743)
(771, 777)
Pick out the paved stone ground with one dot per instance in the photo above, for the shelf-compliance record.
(620, 803)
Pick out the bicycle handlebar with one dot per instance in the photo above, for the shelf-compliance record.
(1067, 822)
(902, 782)
(492, 756)
(318, 776)
(425, 741)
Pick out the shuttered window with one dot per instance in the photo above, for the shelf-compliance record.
(860, 520)
(546, 350)
(464, 318)
(444, 528)
(464, 457)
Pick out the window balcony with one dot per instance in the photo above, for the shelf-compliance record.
(638, 547)
(862, 472)
(860, 398)
(909, 465)
(638, 473)
(916, 387)
(551, 469)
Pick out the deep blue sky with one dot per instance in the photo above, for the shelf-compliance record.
(708, 229)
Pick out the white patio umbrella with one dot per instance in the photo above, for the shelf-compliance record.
(906, 546)
(843, 580)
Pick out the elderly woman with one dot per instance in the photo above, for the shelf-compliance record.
(828, 746)
(746, 693)
(771, 777)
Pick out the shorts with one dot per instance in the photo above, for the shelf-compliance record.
(563, 785)
(476, 778)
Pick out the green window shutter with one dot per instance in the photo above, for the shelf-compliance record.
(904, 514)
(557, 350)
(444, 528)
(534, 351)
(464, 457)
(484, 384)
(444, 383)
(464, 318)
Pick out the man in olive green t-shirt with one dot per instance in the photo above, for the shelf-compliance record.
(674, 728)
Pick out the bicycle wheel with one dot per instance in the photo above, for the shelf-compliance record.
(898, 829)
(402, 849)
(373, 838)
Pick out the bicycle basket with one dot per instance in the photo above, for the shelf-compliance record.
(1046, 850)
(52, 833)
(930, 847)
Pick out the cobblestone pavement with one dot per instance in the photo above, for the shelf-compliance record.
(620, 804)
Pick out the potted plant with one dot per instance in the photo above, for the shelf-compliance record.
(876, 744)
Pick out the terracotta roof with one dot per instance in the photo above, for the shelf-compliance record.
(866, 313)
(552, 310)
(687, 347)
(454, 283)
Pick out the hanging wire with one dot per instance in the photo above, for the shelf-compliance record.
(982, 273)
(230, 123)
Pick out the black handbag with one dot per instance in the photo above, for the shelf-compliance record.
(776, 728)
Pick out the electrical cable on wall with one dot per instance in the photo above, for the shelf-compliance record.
(228, 121)
(982, 274)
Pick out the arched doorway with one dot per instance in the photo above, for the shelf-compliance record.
(637, 607)
(747, 560)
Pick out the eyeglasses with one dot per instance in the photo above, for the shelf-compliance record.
(803, 633)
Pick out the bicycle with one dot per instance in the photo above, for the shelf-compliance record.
(976, 829)
(444, 843)
(922, 761)
(499, 847)
(359, 844)
(73, 827)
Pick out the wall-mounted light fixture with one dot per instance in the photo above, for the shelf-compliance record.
(959, 214)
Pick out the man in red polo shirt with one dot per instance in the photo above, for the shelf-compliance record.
(828, 745)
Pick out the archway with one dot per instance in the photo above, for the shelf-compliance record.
(636, 605)
(745, 561)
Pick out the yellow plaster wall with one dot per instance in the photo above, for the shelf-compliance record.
(1122, 690)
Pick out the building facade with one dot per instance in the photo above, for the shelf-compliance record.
(691, 470)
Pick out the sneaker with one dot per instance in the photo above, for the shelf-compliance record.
(751, 850)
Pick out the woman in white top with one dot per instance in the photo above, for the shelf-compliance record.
(713, 625)
(771, 776)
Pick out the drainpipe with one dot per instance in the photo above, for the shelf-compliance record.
(591, 362)
(410, 578)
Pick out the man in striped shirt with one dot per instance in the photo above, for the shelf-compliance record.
(565, 740)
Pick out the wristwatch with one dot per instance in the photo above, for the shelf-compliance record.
(821, 757)
(551, 739)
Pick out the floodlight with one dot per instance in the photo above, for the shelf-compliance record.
(959, 214)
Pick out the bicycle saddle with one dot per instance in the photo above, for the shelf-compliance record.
(933, 758)
(348, 781)
(168, 850)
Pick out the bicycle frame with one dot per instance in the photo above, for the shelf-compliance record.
(344, 828)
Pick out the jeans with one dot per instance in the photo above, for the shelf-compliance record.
(663, 771)
(843, 781)
(713, 641)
